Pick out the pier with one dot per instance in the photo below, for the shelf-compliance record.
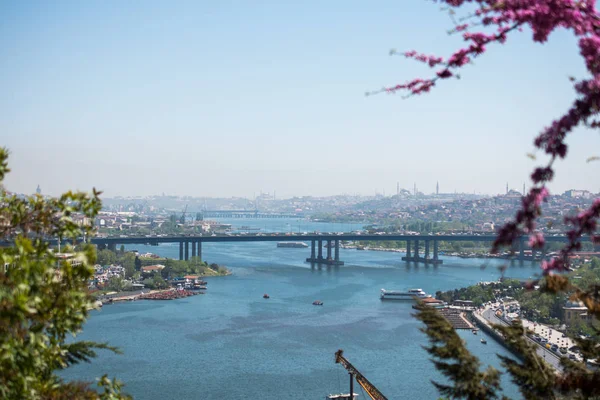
(425, 259)
(319, 259)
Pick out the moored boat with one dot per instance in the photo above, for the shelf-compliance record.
(317, 303)
(483, 341)
(410, 294)
(266, 296)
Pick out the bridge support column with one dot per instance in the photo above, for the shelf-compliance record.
(320, 256)
(414, 255)
(319, 259)
(181, 250)
(187, 250)
(112, 246)
(543, 257)
(193, 249)
(522, 250)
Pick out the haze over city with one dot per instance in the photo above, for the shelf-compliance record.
(206, 100)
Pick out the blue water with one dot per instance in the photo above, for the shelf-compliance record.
(232, 344)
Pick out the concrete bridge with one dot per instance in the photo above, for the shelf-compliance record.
(192, 245)
(244, 214)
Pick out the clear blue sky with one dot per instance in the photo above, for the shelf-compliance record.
(231, 98)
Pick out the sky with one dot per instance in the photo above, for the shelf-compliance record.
(234, 98)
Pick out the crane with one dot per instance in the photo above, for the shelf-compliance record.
(371, 390)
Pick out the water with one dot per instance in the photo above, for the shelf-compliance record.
(233, 344)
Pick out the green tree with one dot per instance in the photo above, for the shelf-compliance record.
(116, 284)
(106, 257)
(43, 299)
(159, 282)
(128, 262)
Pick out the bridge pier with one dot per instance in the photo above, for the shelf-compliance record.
(522, 251)
(181, 250)
(425, 259)
(187, 250)
(320, 256)
(328, 260)
(193, 249)
(112, 247)
(200, 250)
(337, 253)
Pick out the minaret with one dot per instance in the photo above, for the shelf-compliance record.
(506, 187)
(437, 188)
(38, 190)
(415, 189)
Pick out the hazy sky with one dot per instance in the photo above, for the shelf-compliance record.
(227, 98)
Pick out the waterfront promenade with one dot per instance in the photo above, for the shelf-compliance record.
(486, 318)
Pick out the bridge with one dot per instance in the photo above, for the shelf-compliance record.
(244, 214)
(332, 243)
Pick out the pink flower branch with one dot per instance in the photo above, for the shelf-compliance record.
(543, 17)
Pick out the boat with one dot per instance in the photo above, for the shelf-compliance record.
(292, 244)
(483, 341)
(317, 303)
(266, 296)
(411, 294)
(474, 332)
(342, 396)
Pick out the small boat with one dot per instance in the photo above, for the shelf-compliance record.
(474, 332)
(317, 303)
(266, 296)
(483, 341)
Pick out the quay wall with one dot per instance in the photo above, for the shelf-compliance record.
(483, 324)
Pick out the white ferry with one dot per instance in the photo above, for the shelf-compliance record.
(291, 244)
(411, 294)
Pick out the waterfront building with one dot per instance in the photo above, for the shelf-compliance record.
(575, 311)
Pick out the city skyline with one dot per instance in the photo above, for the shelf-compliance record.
(205, 100)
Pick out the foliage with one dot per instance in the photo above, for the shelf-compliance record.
(106, 257)
(156, 282)
(454, 361)
(43, 298)
(500, 18)
(128, 262)
(535, 378)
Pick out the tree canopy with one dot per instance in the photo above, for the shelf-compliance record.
(43, 297)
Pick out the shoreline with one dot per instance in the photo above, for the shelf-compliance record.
(444, 253)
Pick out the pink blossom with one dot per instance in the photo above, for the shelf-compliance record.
(542, 17)
(536, 241)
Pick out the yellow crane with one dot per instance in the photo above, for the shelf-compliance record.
(371, 390)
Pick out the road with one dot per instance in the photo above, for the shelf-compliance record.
(548, 356)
